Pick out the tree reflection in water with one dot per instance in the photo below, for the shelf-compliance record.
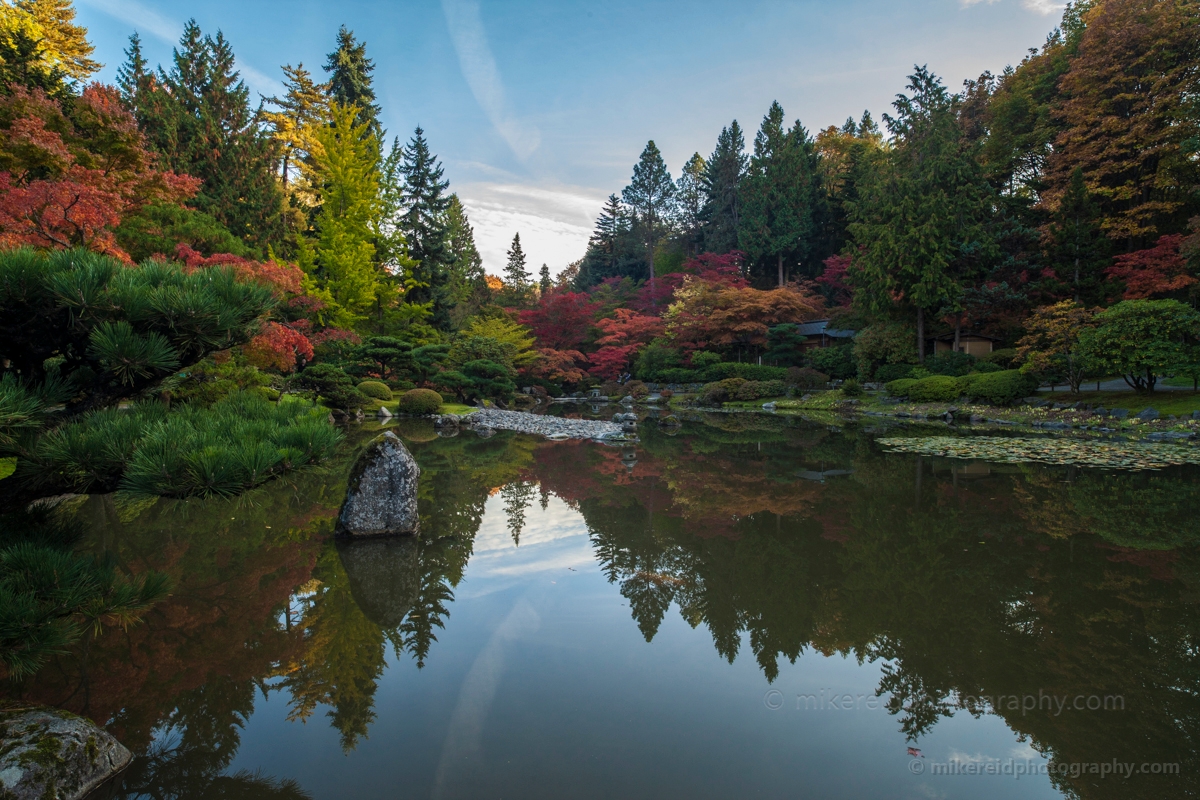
(776, 535)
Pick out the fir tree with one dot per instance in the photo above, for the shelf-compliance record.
(350, 80)
(133, 76)
(544, 284)
(468, 285)
(516, 277)
(198, 118)
(424, 225)
(777, 196)
(690, 199)
(1078, 248)
(723, 173)
(304, 106)
(650, 195)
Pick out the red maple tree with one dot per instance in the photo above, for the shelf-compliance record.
(1155, 271)
(561, 320)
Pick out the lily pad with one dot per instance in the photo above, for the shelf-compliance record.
(1114, 455)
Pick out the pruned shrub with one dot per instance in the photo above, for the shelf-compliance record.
(637, 390)
(331, 384)
(986, 366)
(420, 401)
(807, 378)
(376, 389)
(755, 390)
(666, 394)
(1005, 358)
(837, 361)
(749, 372)
(678, 375)
(893, 372)
(899, 387)
(949, 362)
(999, 388)
(852, 388)
(718, 392)
(935, 389)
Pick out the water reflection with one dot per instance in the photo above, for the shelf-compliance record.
(777, 536)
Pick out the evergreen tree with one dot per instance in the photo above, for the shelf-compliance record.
(198, 118)
(133, 77)
(1078, 250)
(723, 173)
(347, 163)
(516, 277)
(350, 80)
(690, 199)
(777, 196)
(424, 226)
(602, 257)
(649, 196)
(920, 225)
(847, 156)
(40, 43)
(468, 285)
(303, 107)
(544, 284)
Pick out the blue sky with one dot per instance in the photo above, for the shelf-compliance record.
(539, 109)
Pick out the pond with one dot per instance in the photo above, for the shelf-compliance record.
(750, 606)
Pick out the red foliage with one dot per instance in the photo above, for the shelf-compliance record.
(332, 335)
(609, 363)
(285, 279)
(278, 347)
(68, 180)
(561, 320)
(834, 277)
(723, 269)
(629, 327)
(559, 365)
(1157, 270)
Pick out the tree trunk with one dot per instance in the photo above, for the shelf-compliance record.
(921, 335)
(957, 331)
(781, 270)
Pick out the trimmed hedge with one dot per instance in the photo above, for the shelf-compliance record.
(899, 387)
(376, 389)
(420, 401)
(999, 388)
(893, 372)
(749, 372)
(935, 389)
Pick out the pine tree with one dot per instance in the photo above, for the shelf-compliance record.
(1078, 248)
(133, 77)
(777, 196)
(350, 80)
(424, 225)
(690, 198)
(198, 118)
(516, 277)
(303, 107)
(723, 173)
(544, 284)
(347, 161)
(606, 254)
(650, 195)
(468, 284)
(921, 224)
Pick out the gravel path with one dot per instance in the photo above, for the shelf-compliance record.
(542, 425)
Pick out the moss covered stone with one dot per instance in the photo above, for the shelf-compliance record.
(50, 753)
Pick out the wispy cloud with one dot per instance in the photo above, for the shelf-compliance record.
(146, 20)
(1044, 7)
(479, 68)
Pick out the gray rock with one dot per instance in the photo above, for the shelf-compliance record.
(1119, 413)
(627, 400)
(1196, 415)
(1148, 414)
(383, 412)
(1100, 411)
(48, 753)
(381, 496)
(769, 406)
(384, 576)
(447, 421)
(485, 433)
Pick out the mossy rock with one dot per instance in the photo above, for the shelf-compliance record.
(45, 752)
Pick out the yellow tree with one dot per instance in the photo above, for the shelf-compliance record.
(61, 44)
(303, 109)
(1052, 342)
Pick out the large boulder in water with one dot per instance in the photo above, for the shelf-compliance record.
(50, 753)
(384, 575)
(381, 497)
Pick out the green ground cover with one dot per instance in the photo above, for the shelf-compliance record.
(1180, 404)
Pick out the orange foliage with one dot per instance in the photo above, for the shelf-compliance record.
(283, 278)
(708, 314)
(278, 347)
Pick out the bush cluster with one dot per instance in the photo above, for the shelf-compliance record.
(332, 384)
(998, 388)
(806, 378)
(236, 444)
(420, 401)
(376, 389)
(739, 389)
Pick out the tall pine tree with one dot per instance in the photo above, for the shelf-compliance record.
(516, 277)
(197, 116)
(424, 225)
(650, 196)
(350, 79)
(468, 285)
(1078, 249)
(723, 174)
(689, 203)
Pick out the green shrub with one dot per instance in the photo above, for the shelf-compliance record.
(376, 389)
(837, 361)
(208, 382)
(950, 363)
(893, 372)
(1000, 388)
(718, 392)
(852, 388)
(935, 389)
(749, 372)
(705, 359)
(899, 387)
(807, 378)
(1003, 358)
(420, 401)
(756, 390)
(331, 384)
(237, 443)
(678, 375)
(986, 366)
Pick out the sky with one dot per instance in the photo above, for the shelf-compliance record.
(539, 109)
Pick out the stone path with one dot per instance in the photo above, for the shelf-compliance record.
(558, 427)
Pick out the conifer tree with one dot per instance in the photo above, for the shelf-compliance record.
(198, 118)
(350, 80)
(690, 199)
(43, 35)
(1078, 248)
(650, 195)
(777, 195)
(424, 225)
(544, 284)
(303, 107)
(723, 173)
(468, 284)
(516, 277)
(346, 160)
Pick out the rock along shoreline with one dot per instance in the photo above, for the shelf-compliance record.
(550, 427)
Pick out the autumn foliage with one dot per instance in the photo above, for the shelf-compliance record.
(278, 347)
(1154, 272)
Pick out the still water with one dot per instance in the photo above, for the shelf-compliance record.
(753, 607)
